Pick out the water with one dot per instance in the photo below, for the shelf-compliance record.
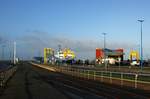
(4, 64)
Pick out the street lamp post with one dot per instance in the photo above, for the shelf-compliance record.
(14, 57)
(104, 50)
(141, 58)
(3, 53)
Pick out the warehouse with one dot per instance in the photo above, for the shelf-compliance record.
(109, 55)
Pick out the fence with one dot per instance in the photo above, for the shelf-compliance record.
(6, 74)
(135, 80)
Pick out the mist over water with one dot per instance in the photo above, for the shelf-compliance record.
(32, 43)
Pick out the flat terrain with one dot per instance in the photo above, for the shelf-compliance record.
(26, 84)
(31, 82)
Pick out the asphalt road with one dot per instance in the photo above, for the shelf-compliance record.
(31, 82)
(26, 84)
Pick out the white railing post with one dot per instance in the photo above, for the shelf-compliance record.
(1, 80)
(71, 69)
(110, 77)
(121, 79)
(76, 72)
(88, 74)
(94, 75)
(84, 73)
(60, 69)
(135, 84)
(79, 73)
(68, 70)
(101, 76)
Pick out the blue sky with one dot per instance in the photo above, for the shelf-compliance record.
(75, 21)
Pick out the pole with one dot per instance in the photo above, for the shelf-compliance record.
(119, 62)
(141, 58)
(136, 76)
(104, 50)
(121, 79)
(14, 52)
(141, 48)
(3, 52)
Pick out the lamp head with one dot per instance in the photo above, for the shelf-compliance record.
(141, 20)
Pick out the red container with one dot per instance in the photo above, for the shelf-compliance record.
(99, 53)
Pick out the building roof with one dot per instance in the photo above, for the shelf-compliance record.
(112, 52)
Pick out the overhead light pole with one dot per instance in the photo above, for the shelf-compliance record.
(3, 52)
(104, 34)
(141, 51)
(14, 53)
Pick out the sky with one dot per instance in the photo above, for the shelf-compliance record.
(77, 24)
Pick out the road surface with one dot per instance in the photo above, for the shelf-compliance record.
(31, 82)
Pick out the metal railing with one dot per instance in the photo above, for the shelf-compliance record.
(135, 80)
(6, 74)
